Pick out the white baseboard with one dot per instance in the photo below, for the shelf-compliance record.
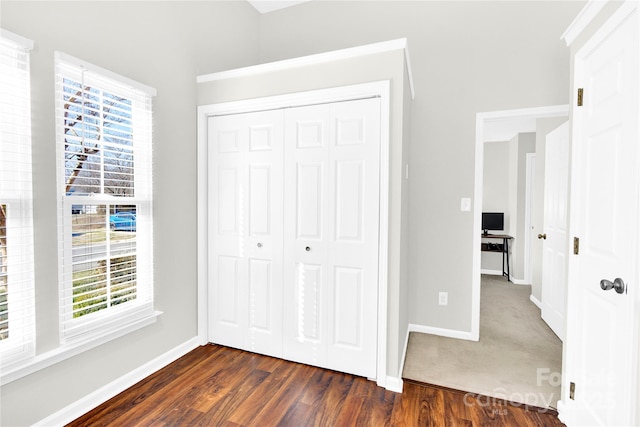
(451, 333)
(394, 384)
(536, 301)
(499, 273)
(92, 400)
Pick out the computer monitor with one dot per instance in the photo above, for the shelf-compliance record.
(492, 221)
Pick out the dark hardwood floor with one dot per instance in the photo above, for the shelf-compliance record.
(219, 386)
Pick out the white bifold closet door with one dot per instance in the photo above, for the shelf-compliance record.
(331, 236)
(245, 231)
(294, 270)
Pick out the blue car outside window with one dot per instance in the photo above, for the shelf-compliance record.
(123, 221)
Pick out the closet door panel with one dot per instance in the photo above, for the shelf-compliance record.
(347, 304)
(261, 293)
(309, 200)
(307, 299)
(245, 241)
(352, 257)
(227, 304)
(227, 320)
(349, 200)
(306, 217)
(227, 209)
(264, 226)
(260, 195)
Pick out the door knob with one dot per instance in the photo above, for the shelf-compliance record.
(259, 245)
(618, 285)
(308, 248)
(542, 236)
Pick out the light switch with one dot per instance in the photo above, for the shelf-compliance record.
(465, 204)
(443, 298)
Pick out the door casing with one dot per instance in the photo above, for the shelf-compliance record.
(528, 213)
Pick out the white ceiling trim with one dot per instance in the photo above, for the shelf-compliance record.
(501, 126)
(585, 16)
(348, 53)
(266, 6)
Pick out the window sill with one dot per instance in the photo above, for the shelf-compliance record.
(67, 351)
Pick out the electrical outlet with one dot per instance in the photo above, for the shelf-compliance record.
(443, 298)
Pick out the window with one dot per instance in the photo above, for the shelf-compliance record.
(17, 326)
(104, 183)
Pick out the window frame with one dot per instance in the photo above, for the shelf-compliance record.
(17, 197)
(112, 319)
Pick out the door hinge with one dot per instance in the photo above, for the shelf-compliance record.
(572, 391)
(580, 95)
(576, 245)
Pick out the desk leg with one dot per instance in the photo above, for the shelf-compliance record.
(505, 246)
(503, 242)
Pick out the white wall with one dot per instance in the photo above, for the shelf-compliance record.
(495, 195)
(467, 57)
(164, 45)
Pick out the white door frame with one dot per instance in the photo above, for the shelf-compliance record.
(523, 119)
(528, 213)
(366, 90)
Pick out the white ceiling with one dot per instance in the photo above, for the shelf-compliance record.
(266, 6)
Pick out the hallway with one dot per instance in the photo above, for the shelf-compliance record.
(518, 357)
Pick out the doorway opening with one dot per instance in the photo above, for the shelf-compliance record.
(491, 127)
(519, 135)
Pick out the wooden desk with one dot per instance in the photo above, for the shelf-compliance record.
(498, 247)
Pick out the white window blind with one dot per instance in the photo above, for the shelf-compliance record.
(17, 317)
(104, 180)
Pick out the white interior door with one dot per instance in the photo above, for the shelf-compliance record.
(555, 223)
(331, 236)
(602, 345)
(245, 232)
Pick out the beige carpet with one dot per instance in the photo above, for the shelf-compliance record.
(518, 357)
